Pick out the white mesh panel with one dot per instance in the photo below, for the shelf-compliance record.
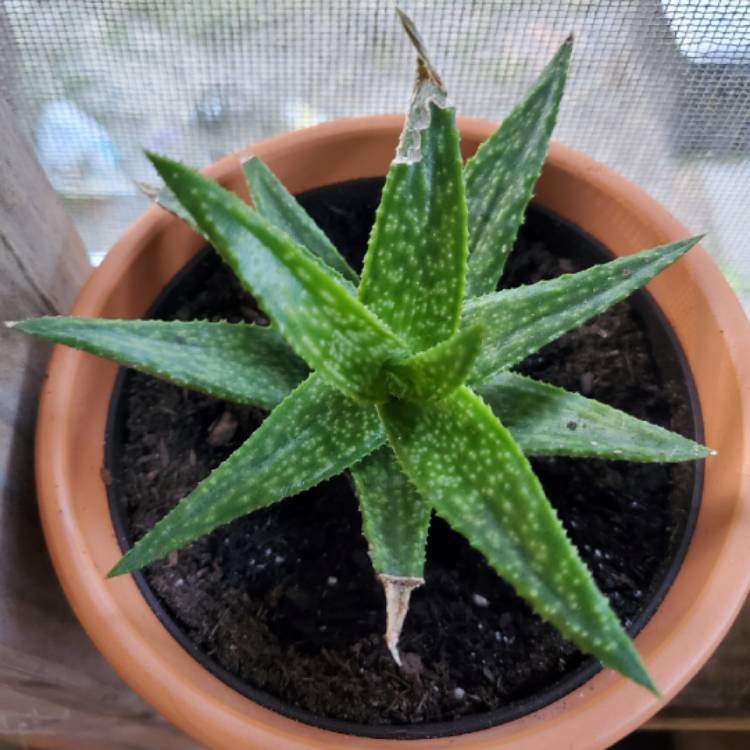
(658, 90)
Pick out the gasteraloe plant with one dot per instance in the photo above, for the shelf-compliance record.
(402, 376)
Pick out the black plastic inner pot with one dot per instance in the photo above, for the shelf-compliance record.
(672, 366)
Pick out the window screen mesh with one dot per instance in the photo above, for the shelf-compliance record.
(659, 89)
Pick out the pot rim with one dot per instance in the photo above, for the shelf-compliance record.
(709, 324)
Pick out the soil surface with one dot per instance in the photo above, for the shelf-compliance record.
(286, 600)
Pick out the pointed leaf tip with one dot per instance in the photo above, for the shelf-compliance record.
(395, 521)
(280, 207)
(118, 569)
(398, 591)
(500, 177)
(487, 491)
(164, 197)
(425, 68)
(650, 686)
(522, 320)
(547, 420)
(415, 265)
(629, 664)
(152, 155)
(242, 363)
(313, 435)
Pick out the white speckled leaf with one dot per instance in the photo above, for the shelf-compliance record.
(247, 364)
(500, 177)
(518, 322)
(280, 207)
(309, 302)
(547, 420)
(435, 372)
(414, 269)
(467, 465)
(395, 519)
(314, 434)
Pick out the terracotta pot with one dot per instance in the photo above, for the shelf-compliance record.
(698, 609)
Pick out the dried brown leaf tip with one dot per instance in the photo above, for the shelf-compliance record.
(425, 69)
(398, 590)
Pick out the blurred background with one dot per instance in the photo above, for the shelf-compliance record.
(659, 89)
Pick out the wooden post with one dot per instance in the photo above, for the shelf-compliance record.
(54, 686)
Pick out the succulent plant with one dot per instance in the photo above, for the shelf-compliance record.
(402, 376)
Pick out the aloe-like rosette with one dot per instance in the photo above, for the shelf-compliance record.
(402, 377)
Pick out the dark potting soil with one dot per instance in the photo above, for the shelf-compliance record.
(286, 599)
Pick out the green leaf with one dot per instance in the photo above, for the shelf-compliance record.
(244, 363)
(470, 469)
(280, 207)
(416, 259)
(435, 372)
(309, 302)
(546, 420)
(518, 322)
(395, 519)
(500, 177)
(314, 434)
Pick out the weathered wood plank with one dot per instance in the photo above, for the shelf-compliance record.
(718, 698)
